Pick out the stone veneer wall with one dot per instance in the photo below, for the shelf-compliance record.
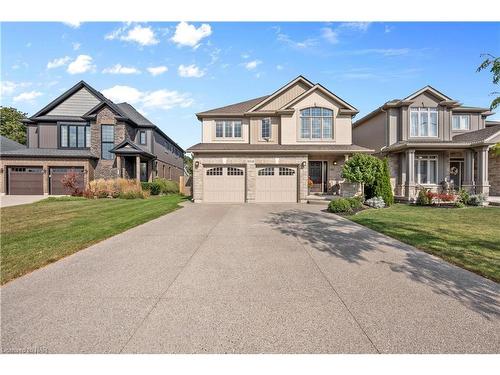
(250, 161)
(107, 168)
(494, 173)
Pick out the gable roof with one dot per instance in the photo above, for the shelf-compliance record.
(124, 111)
(252, 106)
(7, 144)
(430, 89)
(323, 90)
(281, 90)
(129, 147)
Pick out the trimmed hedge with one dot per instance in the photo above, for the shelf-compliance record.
(341, 205)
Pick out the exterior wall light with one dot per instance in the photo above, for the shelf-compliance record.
(196, 164)
(303, 164)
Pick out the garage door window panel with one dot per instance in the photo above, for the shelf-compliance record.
(266, 172)
(214, 171)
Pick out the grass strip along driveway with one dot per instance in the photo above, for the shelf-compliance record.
(468, 237)
(34, 235)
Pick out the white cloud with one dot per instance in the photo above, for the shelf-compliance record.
(159, 99)
(388, 29)
(56, 63)
(379, 51)
(82, 64)
(279, 67)
(9, 87)
(27, 96)
(190, 71)
(355, 26)
(306, 43)
(330, 35)
(73, 23)
(157, 70)
(143, 35)
(190, 36)
(251, 65)
(76, 46)
(120, 69)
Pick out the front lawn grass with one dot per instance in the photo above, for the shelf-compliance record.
(34, 235)
(468, 237)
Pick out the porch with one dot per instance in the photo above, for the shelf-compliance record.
(133, 162)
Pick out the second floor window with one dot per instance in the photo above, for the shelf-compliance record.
(142, 137)
(265, 130)
(460, 122)
(107, 141)
(228, 129)
(316, 123)
(74, 136)
(423, 122)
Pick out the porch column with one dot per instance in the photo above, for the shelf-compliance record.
(410, 173)
(138, 169)
(119, 166)
(468, 183)
(151, 163)
(482, 183)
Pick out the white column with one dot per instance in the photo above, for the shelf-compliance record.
(410, 173)
(482, 183)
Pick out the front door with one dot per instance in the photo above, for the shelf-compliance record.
(317, 174)
(457, 173)
(144, 171)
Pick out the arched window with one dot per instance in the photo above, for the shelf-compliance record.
(316, 123)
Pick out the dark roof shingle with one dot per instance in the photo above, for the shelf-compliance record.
(7, 144)
(478, 136)
(236, 108)
(245, 147)
(49, 152)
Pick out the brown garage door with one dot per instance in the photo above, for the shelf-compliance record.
(25, 180)
(55, 179)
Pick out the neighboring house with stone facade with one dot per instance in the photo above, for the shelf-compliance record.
(266, 149)
(430, 138)
(83, 131)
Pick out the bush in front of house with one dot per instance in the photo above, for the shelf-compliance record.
(423, 198)
(70, 182)
(167, 186)
(154, 188)
(477, 200)
(340, 205)
(463, 196)
(375, 202)
(114, 188)
(382, 185)
(356, 202)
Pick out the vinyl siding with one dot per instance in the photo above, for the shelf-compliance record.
(47, 136)
(76, 105)
(285, 97)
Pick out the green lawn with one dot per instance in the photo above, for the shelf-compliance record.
(468, 237)
(34, 235)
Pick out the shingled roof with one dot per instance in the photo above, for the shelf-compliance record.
(245, 147)
(236, 108)
(478, 136)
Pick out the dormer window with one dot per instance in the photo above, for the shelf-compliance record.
(423, 122)
(228, 129)
(265, 129)
(316, 123)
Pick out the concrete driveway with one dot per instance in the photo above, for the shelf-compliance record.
(16, 200)
(250, 279)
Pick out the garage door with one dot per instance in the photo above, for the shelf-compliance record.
(55, 179)
(224, 184)
(25, 180)
(276, 184)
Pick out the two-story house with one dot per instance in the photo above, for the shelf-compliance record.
(269, 149)
(85, 132)
(430, 138)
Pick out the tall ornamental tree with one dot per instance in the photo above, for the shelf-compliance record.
(11, 125)
(361, 168)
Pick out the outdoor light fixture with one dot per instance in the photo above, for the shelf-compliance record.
(303, 164)
(335, 162)
(196, 164)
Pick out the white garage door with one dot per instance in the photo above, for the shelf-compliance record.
(276, 184)
(224, 185)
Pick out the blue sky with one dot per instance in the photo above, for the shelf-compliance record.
(170, 71)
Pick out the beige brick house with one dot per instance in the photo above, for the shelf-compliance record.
(430, 140)
(85, 132)
(266, 149)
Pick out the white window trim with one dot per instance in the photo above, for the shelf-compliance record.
(224, 129)
(310, 138)
(460, 122)
(417, 167)
(420, 110)
(270, 129)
